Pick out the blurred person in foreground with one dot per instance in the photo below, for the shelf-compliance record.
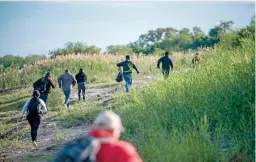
(102, 144)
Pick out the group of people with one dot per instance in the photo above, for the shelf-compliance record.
(107, 126)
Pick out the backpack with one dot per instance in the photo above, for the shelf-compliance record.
(83, 149)
(33, 106)
(41, 84)
(119, 77)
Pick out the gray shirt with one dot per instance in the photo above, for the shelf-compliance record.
(65, 81)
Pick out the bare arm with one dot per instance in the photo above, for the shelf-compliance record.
(52, 83)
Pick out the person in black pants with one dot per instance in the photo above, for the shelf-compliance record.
(34, 107)
(81, 80)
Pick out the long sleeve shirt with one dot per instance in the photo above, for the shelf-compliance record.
(127, 66)
(166, 62)
(66, 80)
(43, 108)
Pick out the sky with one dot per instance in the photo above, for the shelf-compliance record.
(37, 27)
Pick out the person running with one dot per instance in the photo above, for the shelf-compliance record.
(65, 81)
(127, 71)
(44, 85)
(196, 59)
(166, 64)
(81, 80)
(35, 108)
(102, 144)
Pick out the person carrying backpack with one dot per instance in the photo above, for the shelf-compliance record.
(166, 64)
(81, 80)
(44, 85)
(35, 108)
(128, 66)
(101, 145)
(65, 82)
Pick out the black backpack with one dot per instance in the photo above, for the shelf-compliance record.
(33, 106)
(79, 150)
(119, 77)
(41, 84)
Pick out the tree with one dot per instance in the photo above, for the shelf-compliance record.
(197, 31)
(151, 37)
(119, 49)
(159, 34)
(170, 32)
(226, 25)
(143, 40)
(30, 59)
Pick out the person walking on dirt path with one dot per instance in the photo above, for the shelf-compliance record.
(196, 59)
(44, 85)
(102, 144)
(35, 108)
(166, 64)
(128, 66)
(65, 81)
(81, 80)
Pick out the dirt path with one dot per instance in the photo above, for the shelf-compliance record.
(51, 135)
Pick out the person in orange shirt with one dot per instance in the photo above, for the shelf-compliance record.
(102, 144)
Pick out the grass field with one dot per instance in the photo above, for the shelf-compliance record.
(206, 114)
(203, 113)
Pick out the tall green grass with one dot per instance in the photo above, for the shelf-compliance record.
(204, 114)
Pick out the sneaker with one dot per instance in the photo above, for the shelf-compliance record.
(34, 143)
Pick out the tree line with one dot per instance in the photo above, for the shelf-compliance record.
(171, 39)
(154, 41)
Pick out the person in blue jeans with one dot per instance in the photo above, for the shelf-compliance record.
(128, 66)
(66, 81)
(81, 79)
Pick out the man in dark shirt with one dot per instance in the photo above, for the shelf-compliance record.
(128, 66)
(81, 80)
(166, 64)
(47, 80)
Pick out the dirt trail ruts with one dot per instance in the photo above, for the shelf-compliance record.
(51, 136)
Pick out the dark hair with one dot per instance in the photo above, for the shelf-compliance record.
(197, 53)
(36, 93)
(48, 74)
(127, 57)
(80, 69)
(66, 71)
(166, 53)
